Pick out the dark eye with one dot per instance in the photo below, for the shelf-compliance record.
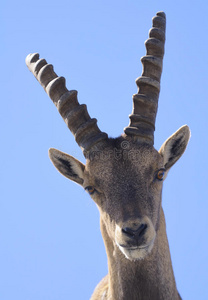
(160, 174)
(90, 189)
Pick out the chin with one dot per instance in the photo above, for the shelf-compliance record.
(136, 253)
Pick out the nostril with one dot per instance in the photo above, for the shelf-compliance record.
(128, 231)
(140, 231)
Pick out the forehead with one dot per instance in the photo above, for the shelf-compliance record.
(123, 158)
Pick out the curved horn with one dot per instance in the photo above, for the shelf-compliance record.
(86, 132)
(145, 102)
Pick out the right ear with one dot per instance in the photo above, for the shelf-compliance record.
(67, 165)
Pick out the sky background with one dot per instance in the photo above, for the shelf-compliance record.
(50, 242)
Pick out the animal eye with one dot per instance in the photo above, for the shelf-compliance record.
(160, 174)
(90, 189)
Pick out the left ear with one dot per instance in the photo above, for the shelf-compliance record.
(174, 146)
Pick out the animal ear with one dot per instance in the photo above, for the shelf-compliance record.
(67, 165)
(174, 146)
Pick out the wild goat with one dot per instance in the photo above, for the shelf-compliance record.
(124, 176)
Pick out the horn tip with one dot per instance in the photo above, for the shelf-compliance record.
(31, 58)
(161, 14)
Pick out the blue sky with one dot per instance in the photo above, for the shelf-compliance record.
(51, 245)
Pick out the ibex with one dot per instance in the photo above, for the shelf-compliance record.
(124, 176)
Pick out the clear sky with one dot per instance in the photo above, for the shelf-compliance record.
(51, 245)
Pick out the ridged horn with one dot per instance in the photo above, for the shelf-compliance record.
(86, 132)
(145, 102)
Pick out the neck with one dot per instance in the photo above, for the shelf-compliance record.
(149, 278)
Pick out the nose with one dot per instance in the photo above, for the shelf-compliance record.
(135, 233)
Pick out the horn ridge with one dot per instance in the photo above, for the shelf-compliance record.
(83, 127)
(145, 102)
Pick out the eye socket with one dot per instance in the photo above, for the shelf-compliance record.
(160, 174)
(90, 189)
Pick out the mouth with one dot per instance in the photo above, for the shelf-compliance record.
(136, 252)
(134, 248)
